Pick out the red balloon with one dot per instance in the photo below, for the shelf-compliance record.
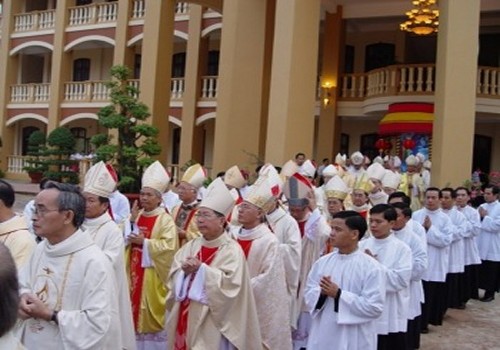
(409, 144)
(380, 144)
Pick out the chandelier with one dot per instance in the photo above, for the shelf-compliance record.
(423, 19)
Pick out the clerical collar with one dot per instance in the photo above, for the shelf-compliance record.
(247, 232)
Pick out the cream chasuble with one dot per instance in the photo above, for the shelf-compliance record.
(107, 235)
(221, 307)
(76, 278)
(269, 285)
(15, 235)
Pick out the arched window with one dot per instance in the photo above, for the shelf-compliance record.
(81, 69)
(178, 65)
(26, 132)
(81, 140)
(213, 63)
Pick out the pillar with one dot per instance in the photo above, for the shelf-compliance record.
(156, 65)
(240, 83)
(293, 81)
(455, 107)
(123, 55)
(191, 87)
(328, 140)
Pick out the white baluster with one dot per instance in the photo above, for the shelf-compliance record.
(420, 78)
(486, 85)
(478, 84)
(204, 88)
(362, 88)
(429, 81)
(411, 79)
(402, 82)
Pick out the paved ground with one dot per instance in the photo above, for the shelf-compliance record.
(475, 328)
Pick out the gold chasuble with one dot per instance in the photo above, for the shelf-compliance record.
(147, 284)
(217, 300)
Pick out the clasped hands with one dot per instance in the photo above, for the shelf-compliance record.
(328, 287)
(190, 265)
(30, 306)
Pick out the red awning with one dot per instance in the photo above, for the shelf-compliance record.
(407, 118)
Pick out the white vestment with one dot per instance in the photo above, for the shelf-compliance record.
(396, 259)
(457, 253)
(419, 266)
(362, 284)
(439, 237)
(120, 208)
(267, 277)
(16, 237)
(488, 241)
(471, 253)
(286, 230)
(76, 278)
(107, 235)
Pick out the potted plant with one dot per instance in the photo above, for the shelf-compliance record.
(60, 146)
(35, 163)
(136, 144)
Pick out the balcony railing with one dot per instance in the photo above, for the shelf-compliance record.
(33, 21)
(86, 91)
(409, 80)
(176, 88)
(209, 87)
(181, 8)
(138, 9)
(93, 14)
(30, 93)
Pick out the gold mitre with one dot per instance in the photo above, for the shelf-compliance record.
(195, 175)
(218, 198)
(234, 178)
(260, 194)
(336, 188)
(99, 181)
(156, 177)
(363, 183)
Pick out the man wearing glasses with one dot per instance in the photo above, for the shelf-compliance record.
(68, 299)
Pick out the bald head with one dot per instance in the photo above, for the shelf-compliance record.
(9, 289)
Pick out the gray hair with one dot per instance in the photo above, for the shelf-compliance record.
(70, 198)
(9, 291)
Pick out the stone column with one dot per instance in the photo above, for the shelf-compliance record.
(455, 106)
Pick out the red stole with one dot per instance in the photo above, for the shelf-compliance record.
(302, 226)
(205, 255)
(186, 223)
(246, 245)
(363, 213)
(136, 270)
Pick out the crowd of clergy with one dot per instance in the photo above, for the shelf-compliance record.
(349, 255)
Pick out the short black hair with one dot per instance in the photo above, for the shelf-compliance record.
(406, 210)
(9, 291)
(353, 220)
(494, 188)
(433, 189)
(300, 154)
(462, 188)
(406, 199)
(449, 189)
(7, 195)
(388, 210)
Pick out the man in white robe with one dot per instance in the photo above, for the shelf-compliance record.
(418, 229)
(403, 231)
(345, 291)
(14, 231)
(396, 259)
(99, 185)
(439, 237)
(488, 244)
(471, 252)
(68, 299)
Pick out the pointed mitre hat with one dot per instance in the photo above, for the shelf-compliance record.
(275, 181)
(357, 158)
(307, 169)
(156, 177)
(99, 181)
(391, 179)
(330, 170)
(363, 183)
(340, 159)
(260, 194)
(195, 175)
(336, 188)
(412, 160)
(298, 190)
(234, 178)
(218, 198)
(289, 168)
(376, 171)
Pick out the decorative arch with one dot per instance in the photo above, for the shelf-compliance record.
(29, 44)
(22, 116)
(135, 39)
(181, 35)
(203, 118)
(175, 121)
(89, 38)
(78, 116)
(210, 29)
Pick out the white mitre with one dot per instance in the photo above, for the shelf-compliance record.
(99, 181)
(218, 198)
(195, 175)
(156, 177)
(234, 178)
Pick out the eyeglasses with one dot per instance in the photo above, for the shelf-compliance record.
(42, 211)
